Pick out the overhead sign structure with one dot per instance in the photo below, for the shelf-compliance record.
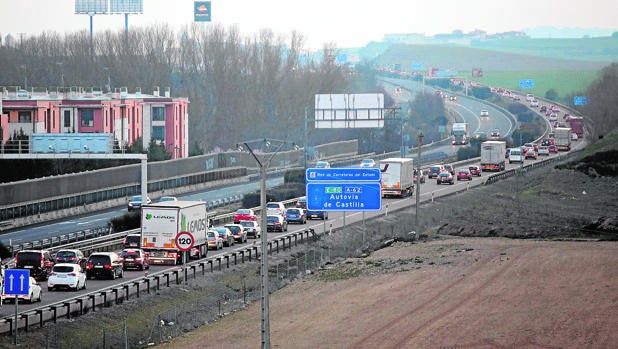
(185, 241)
(351, 110)
(17, 282)
(202, 11)
(526, 83)
(343, 189)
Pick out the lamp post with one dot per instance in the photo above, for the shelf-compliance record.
(401, 148)
(419, 144)
(263, 165)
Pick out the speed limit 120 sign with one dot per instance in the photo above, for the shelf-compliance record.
(184, 241)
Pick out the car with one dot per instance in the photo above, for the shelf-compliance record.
(132, 241)
(484, 113)
(301, 202)
(317, 214)
(134, 258)
(445, 177)
(543, 109)
(475, 170)
(452, 98)
(252, 228)
(530, 154)
(530, 97)
(38, 262)
(33, 296)
(464, 173)
(543, 150)
(422, 177)
(244, 214)
(275, 222)
(546, 142)
(214, 240)
(553, 117)
(528, 146)
(552, 149)
(136, 202)
(507, 153)
(450, 168)
(435, 170)
(322, 164)
(495, 133)
(238, 232)
(534, 103)
(574, 136)
(368, 163)
(226, 236)
(68, 276)
(104, 265)
(516, 155)
(73, 256)
(479, 136)
(296, 215)
(276, 208)
(168, 198)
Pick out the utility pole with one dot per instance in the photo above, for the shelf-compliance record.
(419, 144)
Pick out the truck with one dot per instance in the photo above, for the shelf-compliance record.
(577, 125)
(397, 176)
(493, 156)
(162, 221)
(562, 138)
(460, 133)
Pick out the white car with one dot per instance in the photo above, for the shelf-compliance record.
(368, 163)
(543, 150)
(33, 296)
(66, 275)
(484, 113)
(275, 208)
(252, 228)
(534, 103)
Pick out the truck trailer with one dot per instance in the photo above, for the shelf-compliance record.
(493, 156)
(562, 138)
(397, 177)
(162, 221)
(577, 125)
(460, 133)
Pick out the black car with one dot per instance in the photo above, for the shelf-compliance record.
(276, 223)
(104, 265)
(445, 177)
(132, 241)
(39, 262)
(71, 256)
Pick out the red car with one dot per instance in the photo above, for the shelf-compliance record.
(553, 149)
(464, 173)
(244, 214)
(475, 171)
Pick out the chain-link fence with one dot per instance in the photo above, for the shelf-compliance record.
(154, 319)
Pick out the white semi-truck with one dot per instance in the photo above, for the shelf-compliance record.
(161, 223)
(493, 156)
(397, 177)
(562, 138)
(460, 133)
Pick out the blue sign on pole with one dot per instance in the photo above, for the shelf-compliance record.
(417, 66)
(580, 100)
(201, 11)
(340, 196)
(526, 83)
(343, 174)
(17, 282)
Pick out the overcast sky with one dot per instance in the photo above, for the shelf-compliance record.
(346, 23)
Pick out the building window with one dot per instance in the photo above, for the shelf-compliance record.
(67, 118)
(87, 117)
(25, 116)
(158, 113)
(158, 133)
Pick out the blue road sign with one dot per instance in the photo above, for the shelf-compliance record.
(339, 196)
(580, 100)
(201, 11)
(16, 282)
(417, 66)
(342, 174)
(526, 83)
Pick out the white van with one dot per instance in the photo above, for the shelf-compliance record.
(516, 155)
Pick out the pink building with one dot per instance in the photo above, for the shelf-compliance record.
(127, 115)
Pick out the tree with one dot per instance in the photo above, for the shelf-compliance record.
(551, 94)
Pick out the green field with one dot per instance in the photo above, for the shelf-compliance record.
(565, 82)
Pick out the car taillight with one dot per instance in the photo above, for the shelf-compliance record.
(108, 266)
(89, 266)
(72, 274)
(73, 258)
(138, 259)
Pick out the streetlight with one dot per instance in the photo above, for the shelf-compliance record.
(419, 144)
(263, 165)
(401, 149)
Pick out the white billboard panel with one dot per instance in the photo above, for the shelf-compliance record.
(90, 6)
(364, 110)
(126, 6)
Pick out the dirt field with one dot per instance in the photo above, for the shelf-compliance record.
(451, 293)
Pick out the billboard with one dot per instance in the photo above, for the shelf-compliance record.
(90, 6)
(364, 110)
(202, 11)
(126, 6)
